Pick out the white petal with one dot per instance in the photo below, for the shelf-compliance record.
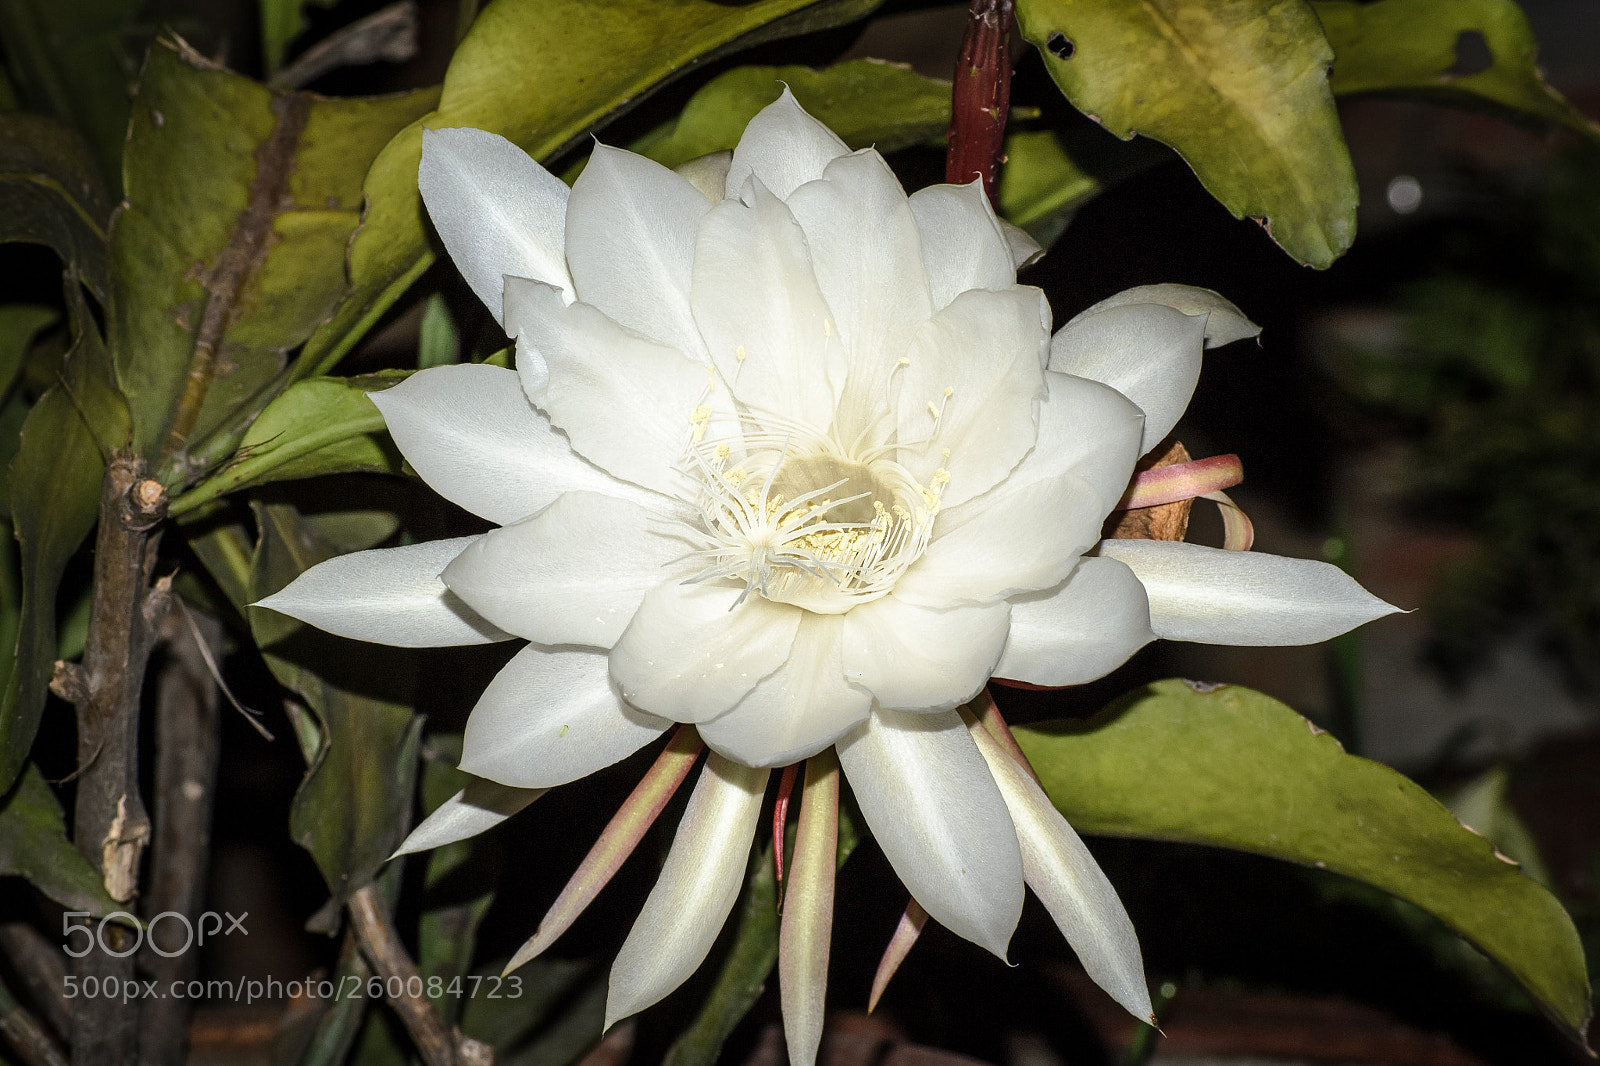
(1025, 251)
(388, 596)
(481, 805)
(631, 227)
(933, 807)
(963, 245)
(969, 395)
(802, 708)
(1148, 352)
(574, 573)
(1080, 630)
(1225, 324)
(1088, 429)
(915, 659)
(1213, 596)
(624, 401)
(868, 262)
(471, 434)
(697, 888)
(550, 717)
(1071, 884)
(783, 147)
(497, 211)
(1014, 540)
(693, 652)
(708, 173)
(764, 320)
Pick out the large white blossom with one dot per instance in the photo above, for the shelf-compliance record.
(790, 455)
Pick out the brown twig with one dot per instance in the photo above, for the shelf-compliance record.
(388, 34)
(369, 917)
(186, 770)
(111, 827)
(42, 968)
(25, 1035)
(981, 96)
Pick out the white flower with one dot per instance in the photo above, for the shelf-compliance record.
(792, 457)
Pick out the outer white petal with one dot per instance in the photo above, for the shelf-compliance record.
(1148, 352)
(1012, 541)
(933, 807)
(1025, 251)
(1225, 324)
(868, 262)
(971, 388)
(802, 708)
(550, 717)
(1213, 596)
(757, 303)
(1082, 629)
(497, 211)
(696, 889)
(963, 245)
(574, 573)
(708, 173)
(783, 147)
(631, 227)
(388, 596)
(1071, 884)
(481, 805)
(624, 401)
(915, 659)
(692, 651)
(475, 439)
(1088, 429)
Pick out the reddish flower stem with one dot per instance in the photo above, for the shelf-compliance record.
(780, 816)
(982, 96)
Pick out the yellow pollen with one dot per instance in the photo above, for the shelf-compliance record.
(827, 327)
(949, 391)
(734, 476)
(698, 419)
(722, 451)
(738, 353)
(944, 452)
(933, 409)
(903, 361)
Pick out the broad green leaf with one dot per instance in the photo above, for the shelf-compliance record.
(281, 22)
(231, 247)
(74, 60)
(1484, 803)
(458, 887)
(51, 193)
(34, 845)
(319, 426)
(438, 341)
(594, 61)
(354, 805)
(1236, 769)
(865, 101)
(1238, 87)
(1412, 46)
(748, 965)
(1046, 177)
(55, 496)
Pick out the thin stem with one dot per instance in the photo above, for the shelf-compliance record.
(25, 1035)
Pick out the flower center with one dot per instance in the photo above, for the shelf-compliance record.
(802, 521)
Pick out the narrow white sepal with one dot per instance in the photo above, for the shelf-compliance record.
(1070, 883)
(388, 596)
(482, 805)
(803, 941)
(1212, 596)
(697, 888)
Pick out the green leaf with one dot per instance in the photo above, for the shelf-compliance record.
(231, 247)
(319, 426)
(1484, 803)
(866, 102)
(34, 845)
(1412, 46)
(594, 61)
(51, 193)
(74, 60)
(438, 342)
(1238, 87)
(352, 809)
(281, 22)
(1236, 769)
(55, 497)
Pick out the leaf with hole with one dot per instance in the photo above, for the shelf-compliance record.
(1468, 52)
(1233, 768)
(1238, 87)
